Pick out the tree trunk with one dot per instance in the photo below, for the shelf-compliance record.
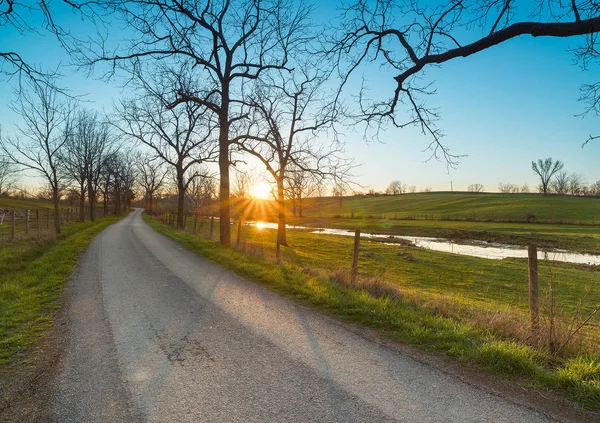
(281, 233)
(150, 201)
(224, 213)
(56, 210)
(105, 202)
(300, 207)
(82, 203)
(180, 199)
(92, 201)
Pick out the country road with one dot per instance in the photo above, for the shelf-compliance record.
(158, 334)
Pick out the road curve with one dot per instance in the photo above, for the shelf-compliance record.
(159, 334)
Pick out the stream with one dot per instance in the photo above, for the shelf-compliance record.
(474, 248)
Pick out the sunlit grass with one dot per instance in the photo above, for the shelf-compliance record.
(469, 308)
(32, 276)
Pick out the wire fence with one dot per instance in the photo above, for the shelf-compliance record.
(21, 223)
(502, 294)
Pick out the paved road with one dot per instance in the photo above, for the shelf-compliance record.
(158, 334)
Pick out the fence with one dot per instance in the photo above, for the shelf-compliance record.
(17, 223)
(503, 294)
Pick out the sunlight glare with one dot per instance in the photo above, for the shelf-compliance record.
(260, 225)
(261, 190)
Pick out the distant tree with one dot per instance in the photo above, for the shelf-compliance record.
(594, 189)
(525, 189)
(202, 190)
(508, 188)
(38, 145)
(152, 176)
(475, 188)
(427, 189)
(396, 188)
(300, 184)
(339, 191)
(8, 176)
(412, 189)
(242, 184)
(560, 183)
(546, 169)
(576, 184)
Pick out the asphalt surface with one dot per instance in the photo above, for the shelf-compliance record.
(159, 334)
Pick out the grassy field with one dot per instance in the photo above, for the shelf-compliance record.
(570, 223)
(33, 275)
(472, 309)
(462, 206)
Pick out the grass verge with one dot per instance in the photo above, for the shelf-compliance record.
(577, 378)
(33, 274)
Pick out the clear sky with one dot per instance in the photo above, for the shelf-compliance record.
(502, 108)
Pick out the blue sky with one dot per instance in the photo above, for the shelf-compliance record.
(502, 108)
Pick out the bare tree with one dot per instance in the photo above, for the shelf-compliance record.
(8, 177)
(38, 144)
(300, 184)
(202, 190)
(508, 188)
(151, 178)
(243, 183)
(409, 37)
(546, 169)
(181, 137)
(286, 116)
(475, 188)
(576, 184)
(524, 189)
(339, 191)
(227, 42)
(559, 184)
(396, 188)
(39, 17)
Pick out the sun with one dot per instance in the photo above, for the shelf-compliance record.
(261, 190)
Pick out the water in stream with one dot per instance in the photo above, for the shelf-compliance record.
(474, 248)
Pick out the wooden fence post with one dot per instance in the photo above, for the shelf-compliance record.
(37, 220)
(355, 254)
(239, 231)
(47, 218)
(195, 223)
(27, 212)
(212, 226)
(534, 304)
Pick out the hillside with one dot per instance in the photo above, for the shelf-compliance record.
(460, 206)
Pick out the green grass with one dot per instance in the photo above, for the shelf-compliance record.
(27, 203)
(446, 303)
(462, 206)
(32, 277)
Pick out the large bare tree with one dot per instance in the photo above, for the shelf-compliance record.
(228, 42)
(37, 145)
(546, 169)
(287, 115)
(406, 38)
(181, 137)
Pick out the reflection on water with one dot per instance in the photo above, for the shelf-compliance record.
(482, 249)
